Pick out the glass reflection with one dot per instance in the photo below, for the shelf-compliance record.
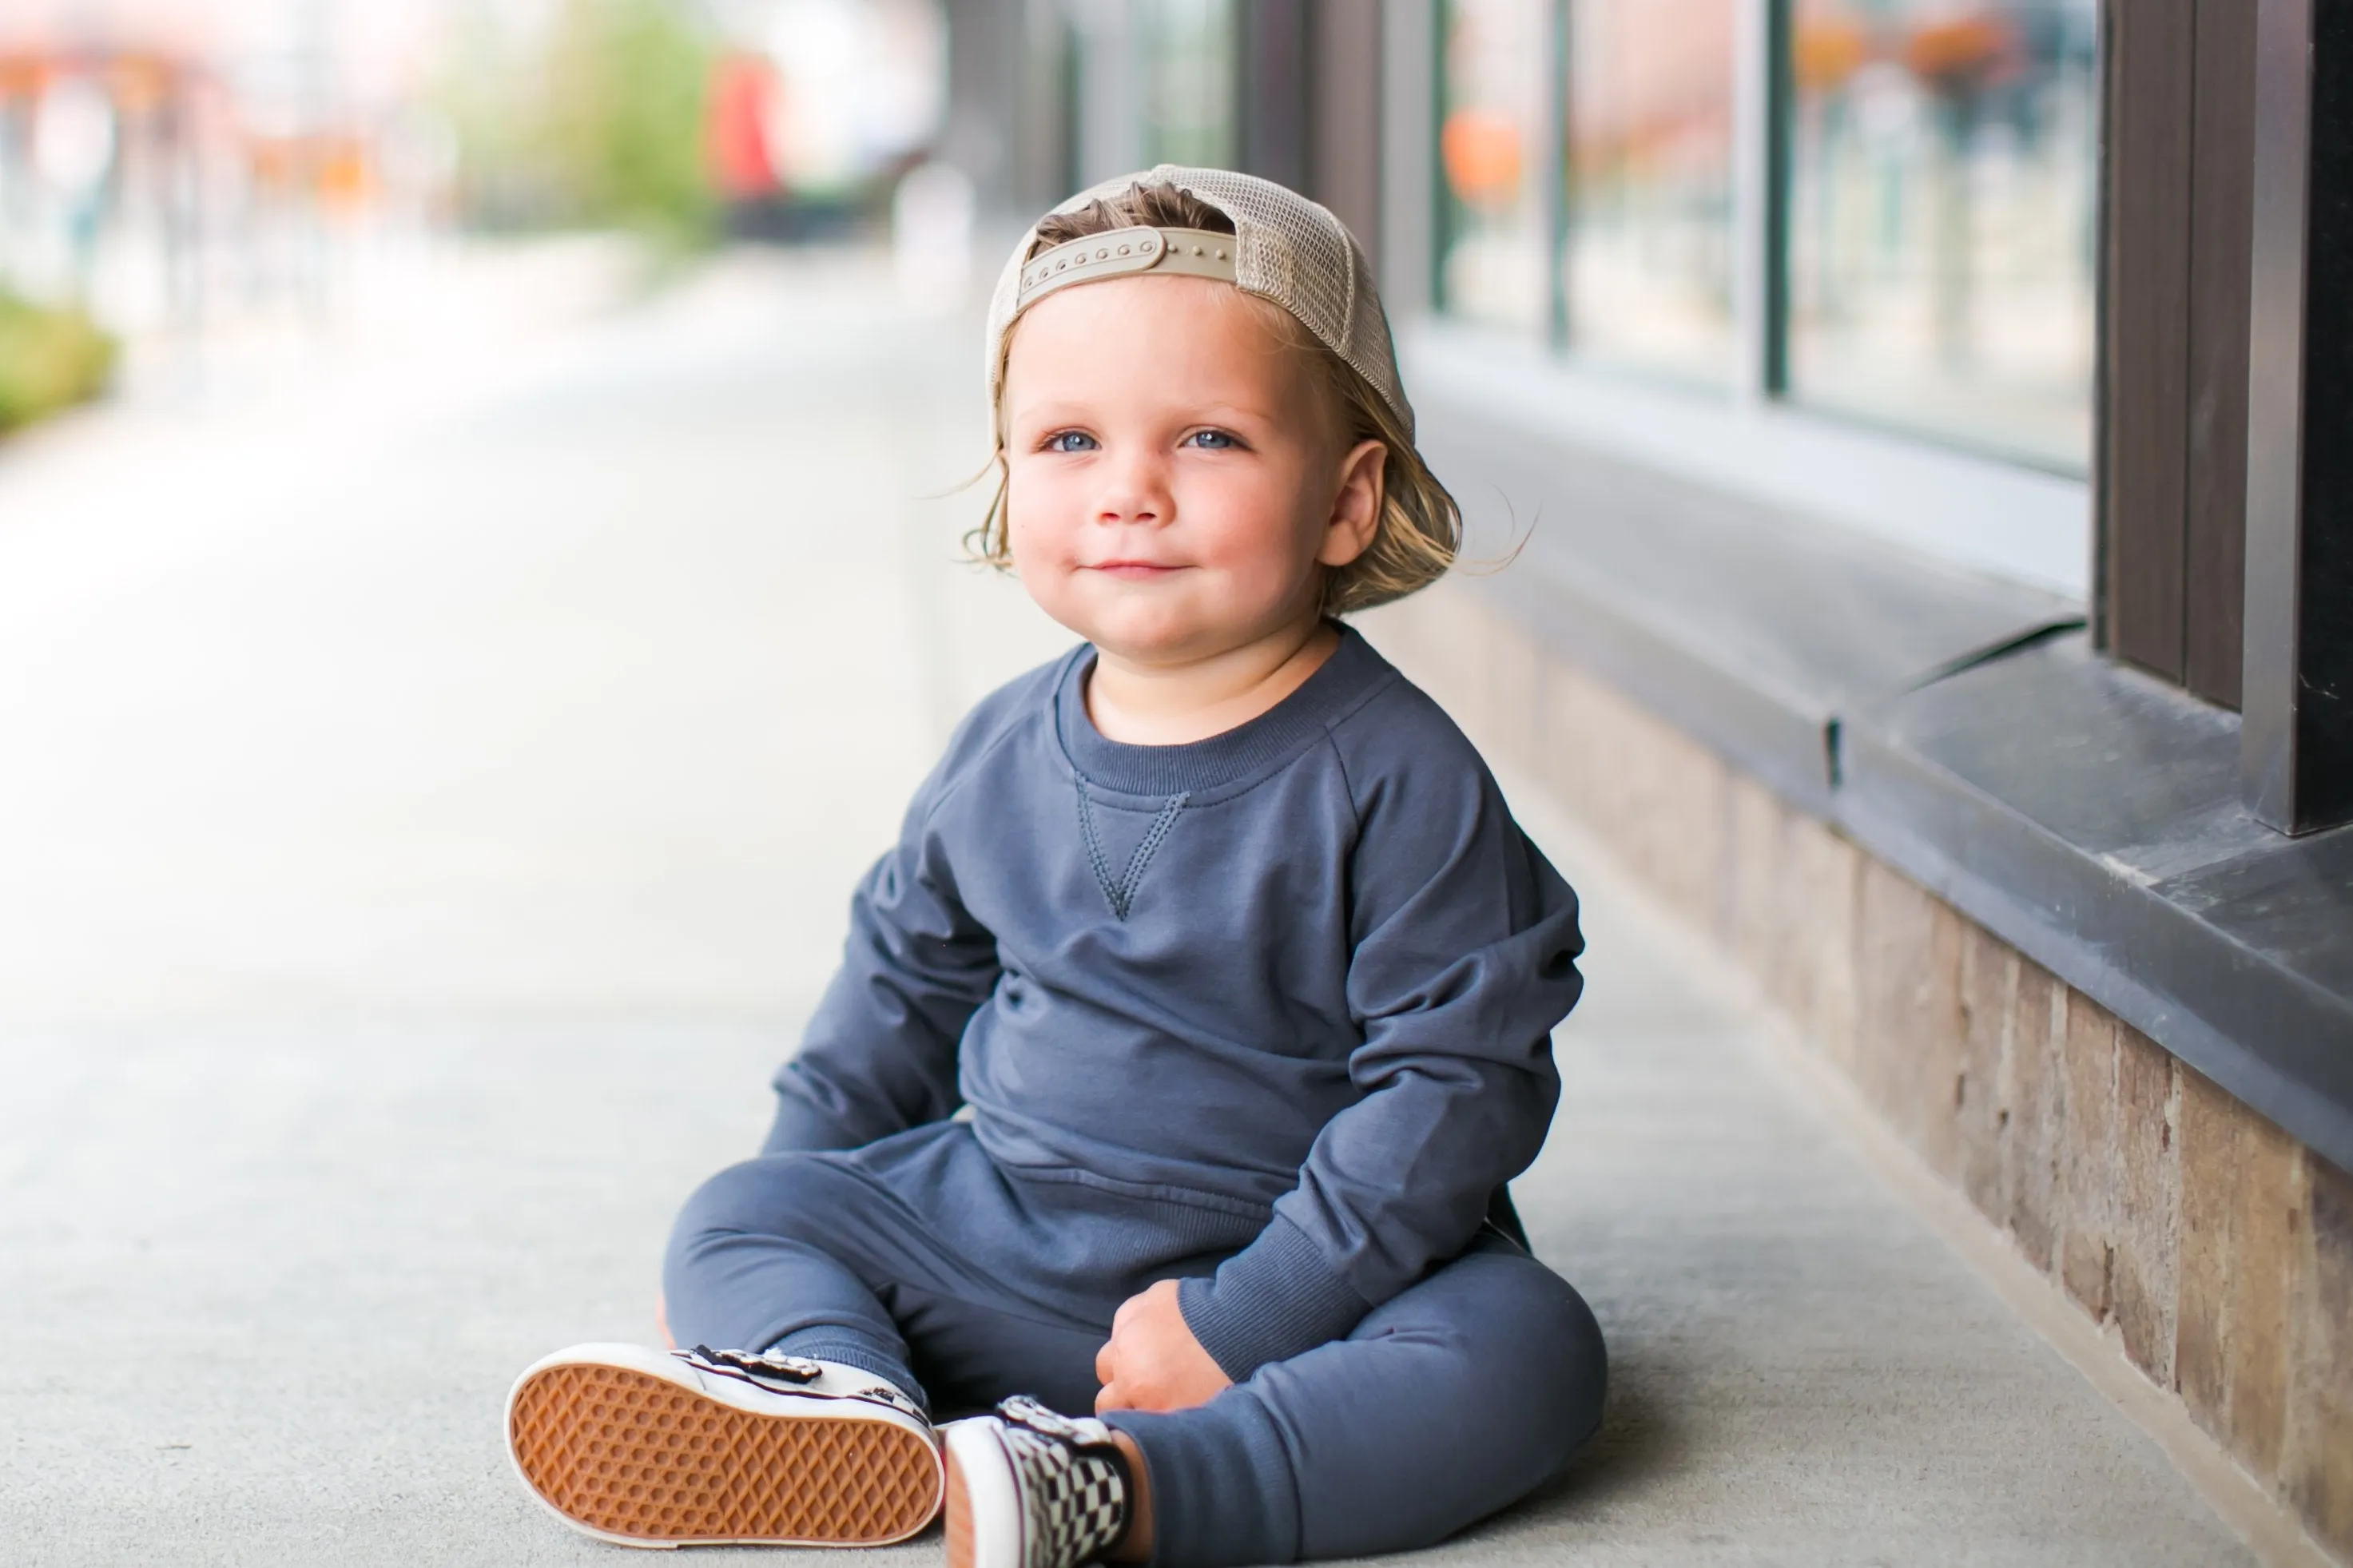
(1942, 200)
(1647, 265)
(1490, 131)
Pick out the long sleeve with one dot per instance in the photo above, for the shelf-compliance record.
(1465, 948)
(880, 1053)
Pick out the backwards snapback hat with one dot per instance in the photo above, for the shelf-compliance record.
(1284, 248)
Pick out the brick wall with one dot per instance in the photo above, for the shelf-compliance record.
(2215, 1251)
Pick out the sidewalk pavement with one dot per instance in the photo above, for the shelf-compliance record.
(428, 812)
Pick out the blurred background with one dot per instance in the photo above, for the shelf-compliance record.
(180, 173)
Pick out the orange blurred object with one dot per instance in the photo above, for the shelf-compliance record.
(1827, 50)
(346, 178)
(140, 82)
(1481, 150)
(1976, 47)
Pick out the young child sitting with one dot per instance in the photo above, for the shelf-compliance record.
(1186, 1039)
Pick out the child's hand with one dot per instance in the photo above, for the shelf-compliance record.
(1152, 1361)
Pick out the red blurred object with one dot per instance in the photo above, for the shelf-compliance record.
(742, 88)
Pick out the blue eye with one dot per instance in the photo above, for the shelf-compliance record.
(1069, 441)
(1212, 440)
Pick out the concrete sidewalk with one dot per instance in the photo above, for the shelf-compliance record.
(418, 844)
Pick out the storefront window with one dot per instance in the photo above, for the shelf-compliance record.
(1647, 264)
(1490, 134)
(1187, 66)
(1942, 192)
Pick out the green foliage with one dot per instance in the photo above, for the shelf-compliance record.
(50, 359)
(600, 122)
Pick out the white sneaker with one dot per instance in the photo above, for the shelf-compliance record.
(1030, 1488)
(714, 1448)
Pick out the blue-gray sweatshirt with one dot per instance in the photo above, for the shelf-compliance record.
(1310, 965)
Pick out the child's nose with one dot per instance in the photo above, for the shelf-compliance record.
(1135, 491)
(1125, 511)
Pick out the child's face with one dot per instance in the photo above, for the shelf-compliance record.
(1177, 481)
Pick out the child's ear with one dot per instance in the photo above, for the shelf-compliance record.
(1357, 509)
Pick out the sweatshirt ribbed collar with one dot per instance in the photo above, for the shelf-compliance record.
(1241, 753)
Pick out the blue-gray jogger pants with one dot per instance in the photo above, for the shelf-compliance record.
(921, 1259)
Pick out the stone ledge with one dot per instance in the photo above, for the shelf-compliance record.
(2091, 817)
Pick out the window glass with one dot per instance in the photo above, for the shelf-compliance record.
(1942, 204)
(1491, 133)
(1647, 264)
(1188, 67)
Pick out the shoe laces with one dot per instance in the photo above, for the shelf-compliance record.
(795, 1375)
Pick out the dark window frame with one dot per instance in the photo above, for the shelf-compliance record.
(2225, 503)
(2296, 745)
(2176, 212)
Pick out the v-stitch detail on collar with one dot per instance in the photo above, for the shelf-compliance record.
(1121, 893)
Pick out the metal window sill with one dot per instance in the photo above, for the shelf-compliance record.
(1982, 513)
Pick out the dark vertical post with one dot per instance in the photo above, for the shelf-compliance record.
(1780, 124)
(987, 39)
(2297, 756)
(2149, 66)
(1345, 55)
(1409, 181)
(1043, 114)
(1275, 112)
(2221, 202)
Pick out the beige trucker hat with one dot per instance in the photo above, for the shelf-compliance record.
(1284, 247)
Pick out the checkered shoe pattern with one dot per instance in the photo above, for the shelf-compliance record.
(1071, 1482)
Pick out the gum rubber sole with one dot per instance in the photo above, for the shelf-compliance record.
(632, 1457)
(959, 1520)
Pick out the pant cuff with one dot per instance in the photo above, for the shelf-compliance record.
(1222, 1490)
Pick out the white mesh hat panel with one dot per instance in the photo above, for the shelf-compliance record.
(1286, 248)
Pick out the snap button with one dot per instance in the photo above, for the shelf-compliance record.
(1122, 250)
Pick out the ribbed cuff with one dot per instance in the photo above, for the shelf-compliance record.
(1274, 1298)
(1223, 1490)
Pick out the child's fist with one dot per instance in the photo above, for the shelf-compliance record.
(1152, 1361)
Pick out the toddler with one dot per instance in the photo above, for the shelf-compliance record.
(1184, 1043)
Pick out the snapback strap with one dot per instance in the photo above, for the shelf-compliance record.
(1188, 252)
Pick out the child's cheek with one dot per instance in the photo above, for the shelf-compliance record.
(1239, 521)
(1038, 515)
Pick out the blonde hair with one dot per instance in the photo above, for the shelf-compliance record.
(1420, 527)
